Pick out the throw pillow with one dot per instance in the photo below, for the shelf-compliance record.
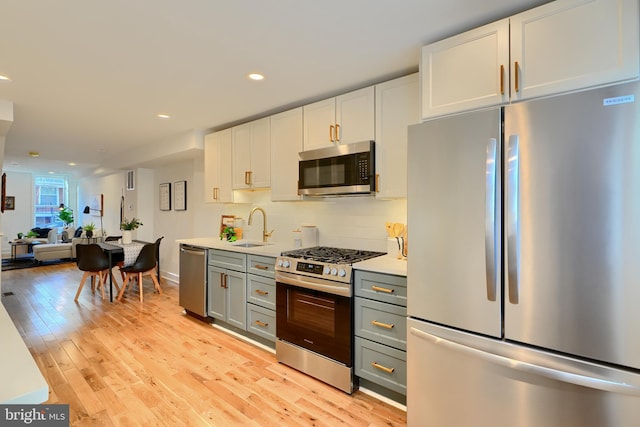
(78, 232)
(65, 236)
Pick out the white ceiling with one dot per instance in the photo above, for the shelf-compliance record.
(89, 77)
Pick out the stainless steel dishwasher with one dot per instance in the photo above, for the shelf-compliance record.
(193, 279)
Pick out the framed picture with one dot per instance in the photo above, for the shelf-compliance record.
(165, 196)
(96, 204)
(180, 195)
(9, 203)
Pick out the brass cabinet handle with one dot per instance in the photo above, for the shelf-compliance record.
(247, 177)
(331, 133)
(501, 79)
(260, 292)
(222, 280)
(385, 290)
(337, 132)
(377, 183)
(517, 80)
(383, 325)
(215, 193)
(383, 368)
(259, 323)
(261, 267)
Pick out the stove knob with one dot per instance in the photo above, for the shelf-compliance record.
(286, 264)
(280, 263)
(334, 271)
(342, 273)
(326, 270)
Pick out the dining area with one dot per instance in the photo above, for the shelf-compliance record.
(131, 262)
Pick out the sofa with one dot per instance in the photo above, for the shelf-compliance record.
(65, 249)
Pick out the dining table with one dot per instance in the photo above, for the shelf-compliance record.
(117, 252)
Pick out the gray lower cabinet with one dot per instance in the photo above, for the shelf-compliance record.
(261, 296)
(380, 329)
(226, 287)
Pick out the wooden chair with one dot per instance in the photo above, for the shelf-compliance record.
(145, 265)
(95, 263)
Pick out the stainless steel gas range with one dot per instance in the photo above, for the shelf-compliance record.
(314, 312)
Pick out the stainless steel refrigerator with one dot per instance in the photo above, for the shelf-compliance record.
(524, 267)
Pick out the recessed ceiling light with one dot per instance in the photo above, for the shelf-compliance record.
(51, 172)
(71, 164)
(163, 116)
(5, 78)
(256, 76)
(34, 154)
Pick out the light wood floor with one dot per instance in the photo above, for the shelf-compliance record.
(130, 364)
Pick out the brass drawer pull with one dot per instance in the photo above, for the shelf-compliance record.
(259, 292)
(383, 368)
(262, 324)
(383, 325)
(261, 267)
(385, 290)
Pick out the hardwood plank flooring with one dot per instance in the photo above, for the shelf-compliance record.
(132, 364)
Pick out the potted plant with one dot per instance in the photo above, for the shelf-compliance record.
(89, 228)
(30, 236)
(66, 216)
(127, 227)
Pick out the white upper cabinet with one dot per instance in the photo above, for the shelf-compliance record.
(217, 167)
(251, 155)
(467, 71)
(561, 46)
(286, 143)
(571, 44)
(344, 119)
(397, 107)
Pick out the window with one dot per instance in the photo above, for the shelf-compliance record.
(49, 192)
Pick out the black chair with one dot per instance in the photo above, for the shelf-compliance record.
(158, 258)
(145, 265)
(95, 263)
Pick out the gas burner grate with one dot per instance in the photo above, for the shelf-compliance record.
(332, 255)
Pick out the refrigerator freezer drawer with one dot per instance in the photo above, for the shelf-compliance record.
(460, 379)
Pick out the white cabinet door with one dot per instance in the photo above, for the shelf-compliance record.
(344, 119)
(397, 107)
(573, 44)
(286, 143)
(217, 167)
(319, 119)
(251, 143)
(261, 153)
(355, 116)
(466, 72)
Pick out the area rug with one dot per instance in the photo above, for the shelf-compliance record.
(28, 262)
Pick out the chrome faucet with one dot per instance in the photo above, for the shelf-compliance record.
(265, 235)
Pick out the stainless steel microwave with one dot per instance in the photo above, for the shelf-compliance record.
(347, 169)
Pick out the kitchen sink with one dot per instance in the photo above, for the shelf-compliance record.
(250, 244)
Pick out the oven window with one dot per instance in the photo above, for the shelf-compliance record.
(312, 311)
(318, 321)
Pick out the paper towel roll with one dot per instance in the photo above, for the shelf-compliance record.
(309, 236)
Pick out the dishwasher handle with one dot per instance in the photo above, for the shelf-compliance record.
(192, 250)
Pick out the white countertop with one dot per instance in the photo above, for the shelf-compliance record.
(20, 379)
(271, 249)
(386, 264)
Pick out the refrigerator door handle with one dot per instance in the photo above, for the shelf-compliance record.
(513, 165)
(530, 368)
(490, 219)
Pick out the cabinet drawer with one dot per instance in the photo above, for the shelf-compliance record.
(381, 322)
(227, 259)
(261, 265)
(261, 321)
(261, 291)
(382, 365)
(381, 287)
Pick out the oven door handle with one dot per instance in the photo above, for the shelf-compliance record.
(306, 283)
